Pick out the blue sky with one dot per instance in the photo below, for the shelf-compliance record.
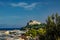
(21, 11)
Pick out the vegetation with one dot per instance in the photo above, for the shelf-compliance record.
(46, 31)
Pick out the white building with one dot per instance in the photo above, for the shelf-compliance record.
(33, 22)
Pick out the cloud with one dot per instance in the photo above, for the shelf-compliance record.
(25, 5)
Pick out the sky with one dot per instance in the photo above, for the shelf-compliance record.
(19, 12)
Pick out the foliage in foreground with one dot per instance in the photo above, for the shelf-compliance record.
(47, 31)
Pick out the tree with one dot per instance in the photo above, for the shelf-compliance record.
(52, 26)
(41, 31)
(49, 27)
(32, 33)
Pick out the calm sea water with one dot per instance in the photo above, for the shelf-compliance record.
(9, 28)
